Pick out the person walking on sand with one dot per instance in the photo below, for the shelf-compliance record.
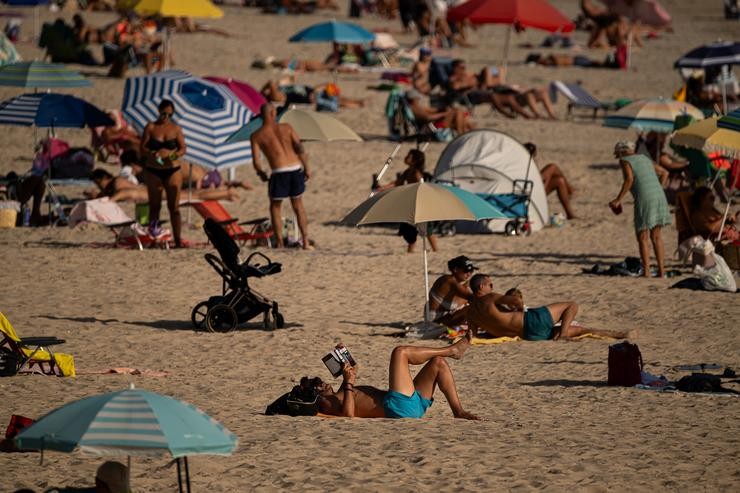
(651, 206)
(289, 164)
(531, 324)
(407, 397)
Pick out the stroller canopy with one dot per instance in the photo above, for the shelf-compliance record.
(487, 162)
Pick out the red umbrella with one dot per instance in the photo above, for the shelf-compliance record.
(247, 94)
(520, 13)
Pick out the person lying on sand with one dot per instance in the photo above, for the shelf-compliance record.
(304, 94)
(566, 60)
(534, 324)
(407, 397)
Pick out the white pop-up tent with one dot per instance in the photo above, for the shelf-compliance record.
(486, 161)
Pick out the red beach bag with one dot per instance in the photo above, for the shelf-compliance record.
(625, 365)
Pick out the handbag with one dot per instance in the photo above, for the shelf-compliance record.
(625, 365)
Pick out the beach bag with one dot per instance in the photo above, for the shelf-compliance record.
(718, 277)
(9, 363)
(700, 382)
(625, 365)
(17, 424)
(76, 163)
(297, 402)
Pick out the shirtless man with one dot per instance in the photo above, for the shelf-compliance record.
(453, 118)
(450, 294)
(420, 71)
(407, 397)
(534, 324)
(289, 164)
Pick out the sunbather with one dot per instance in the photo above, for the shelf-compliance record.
(450, 293)
(453, 118)
(554, 180)
(406, 397)
(706, 220)
(566, 60)
(303, 94)
(420, 71)
(532, 324)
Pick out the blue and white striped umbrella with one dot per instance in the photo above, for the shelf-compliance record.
(52, 110)
(730, 121)
(207, 112)
(711, 55)
(129, 422)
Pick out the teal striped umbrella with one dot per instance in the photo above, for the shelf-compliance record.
(730, 121)
(651, 115)
(41, 75)
(130, 422)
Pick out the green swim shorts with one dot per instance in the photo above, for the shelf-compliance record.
(538, 324)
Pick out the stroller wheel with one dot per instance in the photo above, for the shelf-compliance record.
(221, 318)
(510, 228)
(279, 320)
(198, 315)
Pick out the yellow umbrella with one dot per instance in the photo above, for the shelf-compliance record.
(312, 125)
(706, 136)
(179, 8)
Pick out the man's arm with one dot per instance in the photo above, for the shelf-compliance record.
(349, 374)
(499, 299)
(256, 157)
(301, 151)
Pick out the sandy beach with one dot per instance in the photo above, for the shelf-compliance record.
(550, 421)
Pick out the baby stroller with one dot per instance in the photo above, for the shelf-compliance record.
(238, 303)
(516, 206)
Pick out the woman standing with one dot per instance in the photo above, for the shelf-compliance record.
(651, 206)
(161, 146)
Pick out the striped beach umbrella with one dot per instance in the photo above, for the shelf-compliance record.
(41, 74)
(207, 112)
(730, 121)
(708, 136)
(49, 110)
(651, 115)
(711, 55)
(129, 422)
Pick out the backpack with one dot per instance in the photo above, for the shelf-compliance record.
(9, 363)
(625, 365)
(300, 401)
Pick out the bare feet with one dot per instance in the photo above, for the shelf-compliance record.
(459, 348)
(467, 415)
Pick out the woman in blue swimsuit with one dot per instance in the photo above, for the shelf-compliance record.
(162, 145)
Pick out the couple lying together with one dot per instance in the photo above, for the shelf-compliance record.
(499, 315)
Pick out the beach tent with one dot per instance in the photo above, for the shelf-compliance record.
(487, 161)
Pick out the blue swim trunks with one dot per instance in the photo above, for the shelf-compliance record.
(288, 183)
(538, 324)
(398, 405)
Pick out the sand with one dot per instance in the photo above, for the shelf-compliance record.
(550, 420)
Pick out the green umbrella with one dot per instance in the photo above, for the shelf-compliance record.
(41, 75)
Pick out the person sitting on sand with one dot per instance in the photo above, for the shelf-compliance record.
(112, 477)
(706, 220)
(450, 293)
(407, 397)
(453, 118)
(534, 324)
(420, 71)
(287, 94)
(554, 180)
(655, 146)
(24, 188)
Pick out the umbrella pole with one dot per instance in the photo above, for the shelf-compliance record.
(179, 475)
(190, 190)
(385, 167)
(723, 82)
(187, 474)
(426, 278)
(128, 466)
(506, 52)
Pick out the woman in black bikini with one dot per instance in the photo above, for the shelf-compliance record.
(161, 146)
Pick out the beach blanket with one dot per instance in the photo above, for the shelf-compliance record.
(502, 340)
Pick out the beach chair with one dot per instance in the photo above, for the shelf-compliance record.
(31, 354)
(402, 124)
(578, 97)
(259, 230)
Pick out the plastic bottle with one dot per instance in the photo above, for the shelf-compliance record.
(26, 212)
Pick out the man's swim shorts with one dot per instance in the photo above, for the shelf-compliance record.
(538, 324)
(398, 405)
(286, 183)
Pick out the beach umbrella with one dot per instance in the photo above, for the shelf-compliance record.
(648, 12)
(333, 31)
(651, 115)
(50, 110)
(538, 14)
(130, 422)
(309, 125)
(707, 136)
(420, 203)
(247, 94)
(711, 55)
(178, 8)
(207, 112)
(40, 74)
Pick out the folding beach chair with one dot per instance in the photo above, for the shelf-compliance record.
(31, 354)
(259, 229)
(578, 97)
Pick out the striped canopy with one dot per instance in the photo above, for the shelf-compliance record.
(40, 74)
(730, 121)
(52, 110)
(651, 115)
(207, 112)
(129, 422)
